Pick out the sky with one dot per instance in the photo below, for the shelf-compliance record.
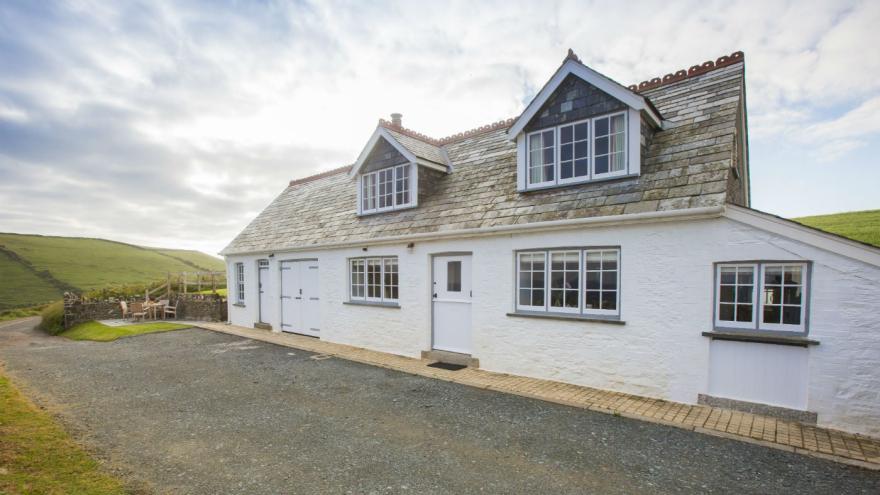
(174, 123)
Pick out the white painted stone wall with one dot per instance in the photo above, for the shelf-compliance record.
(666, 302)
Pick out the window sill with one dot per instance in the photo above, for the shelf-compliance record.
(373, 303)
(529, 189)
(386, 210)
(761, 338)
(238, 305)
(573, 317)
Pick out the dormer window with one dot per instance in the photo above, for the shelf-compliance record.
(385, 189)
(578, 152)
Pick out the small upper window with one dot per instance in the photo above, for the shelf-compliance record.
(761, 296)
(578, 152)
(385, 189)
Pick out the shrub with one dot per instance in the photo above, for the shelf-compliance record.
(53, 318)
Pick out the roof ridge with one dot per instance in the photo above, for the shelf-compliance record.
(320, 175)
(695, 70)
(452, 138)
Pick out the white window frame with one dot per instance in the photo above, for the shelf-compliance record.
(757, 324)
(719, 323)
(527, 307)
(581, 310)
(549, 279)
(590, 140)
(382, 261)
(583, 295)
(626, 137)
(239, 283)
(591, 146)
(396, 172)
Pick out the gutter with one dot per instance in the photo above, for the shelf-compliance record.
(589, 222)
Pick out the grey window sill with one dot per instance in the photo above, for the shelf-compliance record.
(761, 338)
(560, 316)
(373, 303)
(238, 305)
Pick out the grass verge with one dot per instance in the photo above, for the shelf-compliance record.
(93, 330)
(14, 314)
(38, 456)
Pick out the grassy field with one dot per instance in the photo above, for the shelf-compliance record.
(92, 330)
(20, 286)
(70, 263)
(37, 456)
(14, 314)
(862, 226)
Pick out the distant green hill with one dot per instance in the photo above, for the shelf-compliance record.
(861, 226)
(36, 269)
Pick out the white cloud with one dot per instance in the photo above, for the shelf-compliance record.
(201, 110)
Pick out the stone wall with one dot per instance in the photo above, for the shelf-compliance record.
(199, 307)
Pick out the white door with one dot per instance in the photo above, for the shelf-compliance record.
(452, 303)
(299, 297)
(264, 290)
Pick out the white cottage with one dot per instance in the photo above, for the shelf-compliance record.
(603, 238)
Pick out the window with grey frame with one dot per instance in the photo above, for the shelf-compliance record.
(385, 189)
(239, 283)
(580, 281)
(374, 279)
(762, 295)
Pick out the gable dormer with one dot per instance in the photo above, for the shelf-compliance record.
(387, 169)
(581, 127)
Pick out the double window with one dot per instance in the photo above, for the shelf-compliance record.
(577, 152)
(573, 281)
(761, 296)
(386, 189)
(374, 279)
(239, 283)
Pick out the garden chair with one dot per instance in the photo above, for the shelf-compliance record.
(137, 311)
(169, 310)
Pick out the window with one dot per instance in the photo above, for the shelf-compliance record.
(453, 276)
(385, 189)
(542, 163)
(761, 296)
(374, 279)
(580, 281)
(590, 149)
(239, 285)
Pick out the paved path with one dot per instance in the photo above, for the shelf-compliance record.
(194, 411)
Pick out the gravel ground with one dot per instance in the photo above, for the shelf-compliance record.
(194, 411)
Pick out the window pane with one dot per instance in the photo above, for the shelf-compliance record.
(592, 300)
(602, 146)
(594, 260)
(618, 162)
(580, 149)
(453, 276)
(538, 278)
(725, 312)
(617, 123)
(728, 275)
(792, 295)
(609, 300)
(609, 280)
(771, 314)
(565, 152)
(727, 294)
(593, 280)
(773, 275)
(745, 275)
(581, 167)
(793, 275)
(791, 315)
(565, 134)
(525, 297)
(571, 299)
(601, 126)
(581, 131)
(744, 312)
(609, 260)
(525, 279)
(538, 297)
(772, 294)
(535, 142)
(744, 294)
(557, 280)
(602, 164)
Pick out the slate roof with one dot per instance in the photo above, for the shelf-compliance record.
(420, 148)
(687, 164)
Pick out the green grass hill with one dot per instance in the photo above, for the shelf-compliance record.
(37, 269)
(861, 226)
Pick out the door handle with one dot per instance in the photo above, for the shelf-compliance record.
(435, 295)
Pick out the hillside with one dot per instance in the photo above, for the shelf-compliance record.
(36, 269)
(861, 226)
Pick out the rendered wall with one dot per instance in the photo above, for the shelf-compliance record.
(666, 303)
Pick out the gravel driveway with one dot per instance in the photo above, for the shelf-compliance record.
(194, 411)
